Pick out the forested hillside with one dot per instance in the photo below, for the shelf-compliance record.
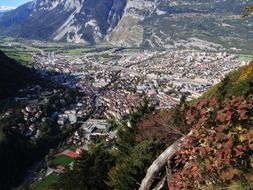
(13, 76)
(18, 153)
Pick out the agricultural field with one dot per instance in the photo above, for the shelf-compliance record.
(21, 57)
(245, 57)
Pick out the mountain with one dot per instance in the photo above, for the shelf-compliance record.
(13, 76)
(71, 20)
(149, 23)
(4, 9)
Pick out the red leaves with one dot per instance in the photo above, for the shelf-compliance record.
(242, 114)
(201, 104)
(191, 117)
(218, 137)
(221, 143)
(224, 117)
(228, 145)
(208, 164)
(227, 148)
(202, 151)
(239, 150)
(195, 171)
(228, 174)
(220, 128)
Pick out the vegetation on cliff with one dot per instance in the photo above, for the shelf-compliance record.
(220, 150)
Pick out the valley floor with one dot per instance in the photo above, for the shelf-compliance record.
(108, 84)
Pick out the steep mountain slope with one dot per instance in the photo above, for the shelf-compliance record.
(13, 76)
(5, 9)
(2, 13)
(150, 23)
(129, 31)
(71, 20)
(189, 23)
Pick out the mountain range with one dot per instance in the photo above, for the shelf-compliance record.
(202, 24)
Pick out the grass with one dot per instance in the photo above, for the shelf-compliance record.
(23, 58)
(73, 147)
(62, 160)
(75, 51)
(245, 57)
(44, 184)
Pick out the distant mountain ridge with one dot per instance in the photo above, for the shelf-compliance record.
(150, 23)
(4, 9)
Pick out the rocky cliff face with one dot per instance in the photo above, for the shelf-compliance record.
(130, 31)
(152, 23)
(202, 24)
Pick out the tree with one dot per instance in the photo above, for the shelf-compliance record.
(130, 170)
(90, 170)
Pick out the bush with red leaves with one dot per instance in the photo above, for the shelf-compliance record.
(220, 150)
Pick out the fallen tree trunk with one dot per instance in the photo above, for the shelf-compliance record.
(160, 162)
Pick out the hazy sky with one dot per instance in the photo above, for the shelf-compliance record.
(12, 3)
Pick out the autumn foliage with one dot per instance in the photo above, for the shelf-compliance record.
(220, 150)
(168, 126)
(245, 73)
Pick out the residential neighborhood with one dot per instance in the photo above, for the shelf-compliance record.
(120, 79)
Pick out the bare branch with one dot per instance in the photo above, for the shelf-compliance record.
(161, 162)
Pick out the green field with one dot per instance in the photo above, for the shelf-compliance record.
(43, 185)
(245, 57)
(75, 51)
(24, 59)
(62, 160)
(73, 147)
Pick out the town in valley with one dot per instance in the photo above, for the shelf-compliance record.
(101, 85)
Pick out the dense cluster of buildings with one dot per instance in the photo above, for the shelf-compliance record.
(120, 79)
(32, 100)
